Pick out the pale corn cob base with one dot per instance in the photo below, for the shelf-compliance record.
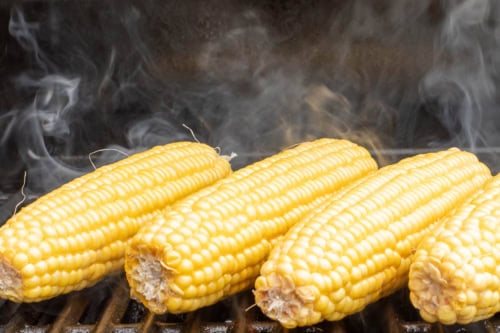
(455, 276)
(72, 237)
(373, 226)
(11, 281)
(213, 243)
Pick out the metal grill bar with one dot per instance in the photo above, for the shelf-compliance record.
(71, 313)
(115, 309)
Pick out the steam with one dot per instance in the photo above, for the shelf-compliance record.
(463, 81)
(55, 98)
(266, 101)
(53, 128)
(248, 77)
(47, 118)
(25, 34)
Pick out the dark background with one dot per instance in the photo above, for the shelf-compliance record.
(250, 77)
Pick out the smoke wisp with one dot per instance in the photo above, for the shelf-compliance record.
(249, 77)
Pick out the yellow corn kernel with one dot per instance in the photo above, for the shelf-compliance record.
(73, 236)
(212, 244)
(368, 232)
(454, 276)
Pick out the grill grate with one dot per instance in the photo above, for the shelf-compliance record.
(107, 308)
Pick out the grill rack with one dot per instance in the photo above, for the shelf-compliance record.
(107, 308)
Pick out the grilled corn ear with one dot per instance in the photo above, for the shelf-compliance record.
(455, 275)
(73, 236)
(212, 244)
(357, 247)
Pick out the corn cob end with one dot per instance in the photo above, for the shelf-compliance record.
(444, 297)
(150, 277)
(433, 301)
(279, 299)
(11, 282)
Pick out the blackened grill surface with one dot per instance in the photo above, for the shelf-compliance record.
(106, 307)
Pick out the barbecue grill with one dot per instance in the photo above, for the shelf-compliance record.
(251, 77)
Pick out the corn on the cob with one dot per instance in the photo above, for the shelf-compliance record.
(357, 247)
(455, 274)
(211, 244)
(73, 236)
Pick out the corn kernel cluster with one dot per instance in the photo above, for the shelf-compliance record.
(73, 236)
(213, 243)
(316, 229)
(455, 275)
(357, 247)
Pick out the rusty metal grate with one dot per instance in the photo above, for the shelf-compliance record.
(107, 308)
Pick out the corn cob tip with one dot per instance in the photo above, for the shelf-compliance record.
(151, 276)
(10, 283)
(435, 293)
(229, 157)
(279, 299)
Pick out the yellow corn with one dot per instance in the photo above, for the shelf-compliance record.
(357, 247)
(73, 236)
(212, 244)
(455, 274)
